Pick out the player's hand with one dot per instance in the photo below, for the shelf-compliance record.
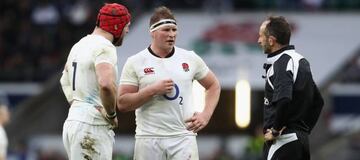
(269, 136)
(197, 122)
(162, 87)
(113, 122)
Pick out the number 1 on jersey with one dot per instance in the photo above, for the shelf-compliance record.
(74, 64)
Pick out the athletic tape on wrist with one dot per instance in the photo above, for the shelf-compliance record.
(112, 116)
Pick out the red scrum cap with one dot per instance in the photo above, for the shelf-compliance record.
(112, 18)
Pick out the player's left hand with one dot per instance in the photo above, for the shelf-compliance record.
(197, 122)
(113, 122)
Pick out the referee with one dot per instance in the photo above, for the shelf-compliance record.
(292, 102)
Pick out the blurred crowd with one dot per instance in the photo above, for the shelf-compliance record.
(36, 35)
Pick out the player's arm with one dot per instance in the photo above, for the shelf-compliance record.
(131, 98)
(105, 73)
(212, 93)
(66, 85)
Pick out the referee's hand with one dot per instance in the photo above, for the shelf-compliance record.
(269, 135)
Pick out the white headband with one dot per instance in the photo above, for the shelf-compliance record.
(162, 23)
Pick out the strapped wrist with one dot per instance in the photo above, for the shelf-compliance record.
(111, 116)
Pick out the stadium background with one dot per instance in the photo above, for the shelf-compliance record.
(36, 37)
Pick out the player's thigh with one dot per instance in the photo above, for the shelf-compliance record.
(66, 136)
(149, 148)
(91, 142)
(107, 141)
(293, 150)
(181, 148)
(69, 135)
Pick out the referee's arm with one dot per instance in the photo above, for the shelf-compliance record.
(314, 111)
(283, 89)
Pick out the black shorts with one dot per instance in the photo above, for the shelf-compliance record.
(286, 147)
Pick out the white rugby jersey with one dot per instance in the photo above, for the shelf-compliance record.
(164, 115)
(3, 142)
(84, 56)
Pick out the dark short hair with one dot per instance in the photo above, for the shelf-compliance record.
(160, 13)
(279, 28)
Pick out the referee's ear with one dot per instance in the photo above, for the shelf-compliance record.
(272, 40)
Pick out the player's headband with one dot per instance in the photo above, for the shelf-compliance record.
(162, 23)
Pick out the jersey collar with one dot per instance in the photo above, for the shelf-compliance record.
(289, 47)
(168, 56)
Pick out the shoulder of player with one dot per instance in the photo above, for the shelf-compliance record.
(140, 55)
(99, 42)
(184, 52)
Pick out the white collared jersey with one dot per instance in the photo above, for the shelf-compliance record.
(84, 56)
(164, 115)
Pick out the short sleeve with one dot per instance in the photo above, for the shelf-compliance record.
(202, 68)
(128, 74)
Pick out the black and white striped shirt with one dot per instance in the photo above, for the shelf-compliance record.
(292, 99)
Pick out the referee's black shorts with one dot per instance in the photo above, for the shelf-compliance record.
(289, 146)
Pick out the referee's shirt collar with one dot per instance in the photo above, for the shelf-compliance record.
(289, 47)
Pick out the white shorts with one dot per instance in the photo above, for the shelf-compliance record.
(171, 148)
(90, 142)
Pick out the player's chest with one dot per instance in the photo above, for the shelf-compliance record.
(163, 68)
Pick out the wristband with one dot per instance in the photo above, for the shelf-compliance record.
(111, 116)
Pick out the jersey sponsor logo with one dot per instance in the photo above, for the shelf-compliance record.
(185, 67)
(177, 91)
(149, 70)
(175, 96)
